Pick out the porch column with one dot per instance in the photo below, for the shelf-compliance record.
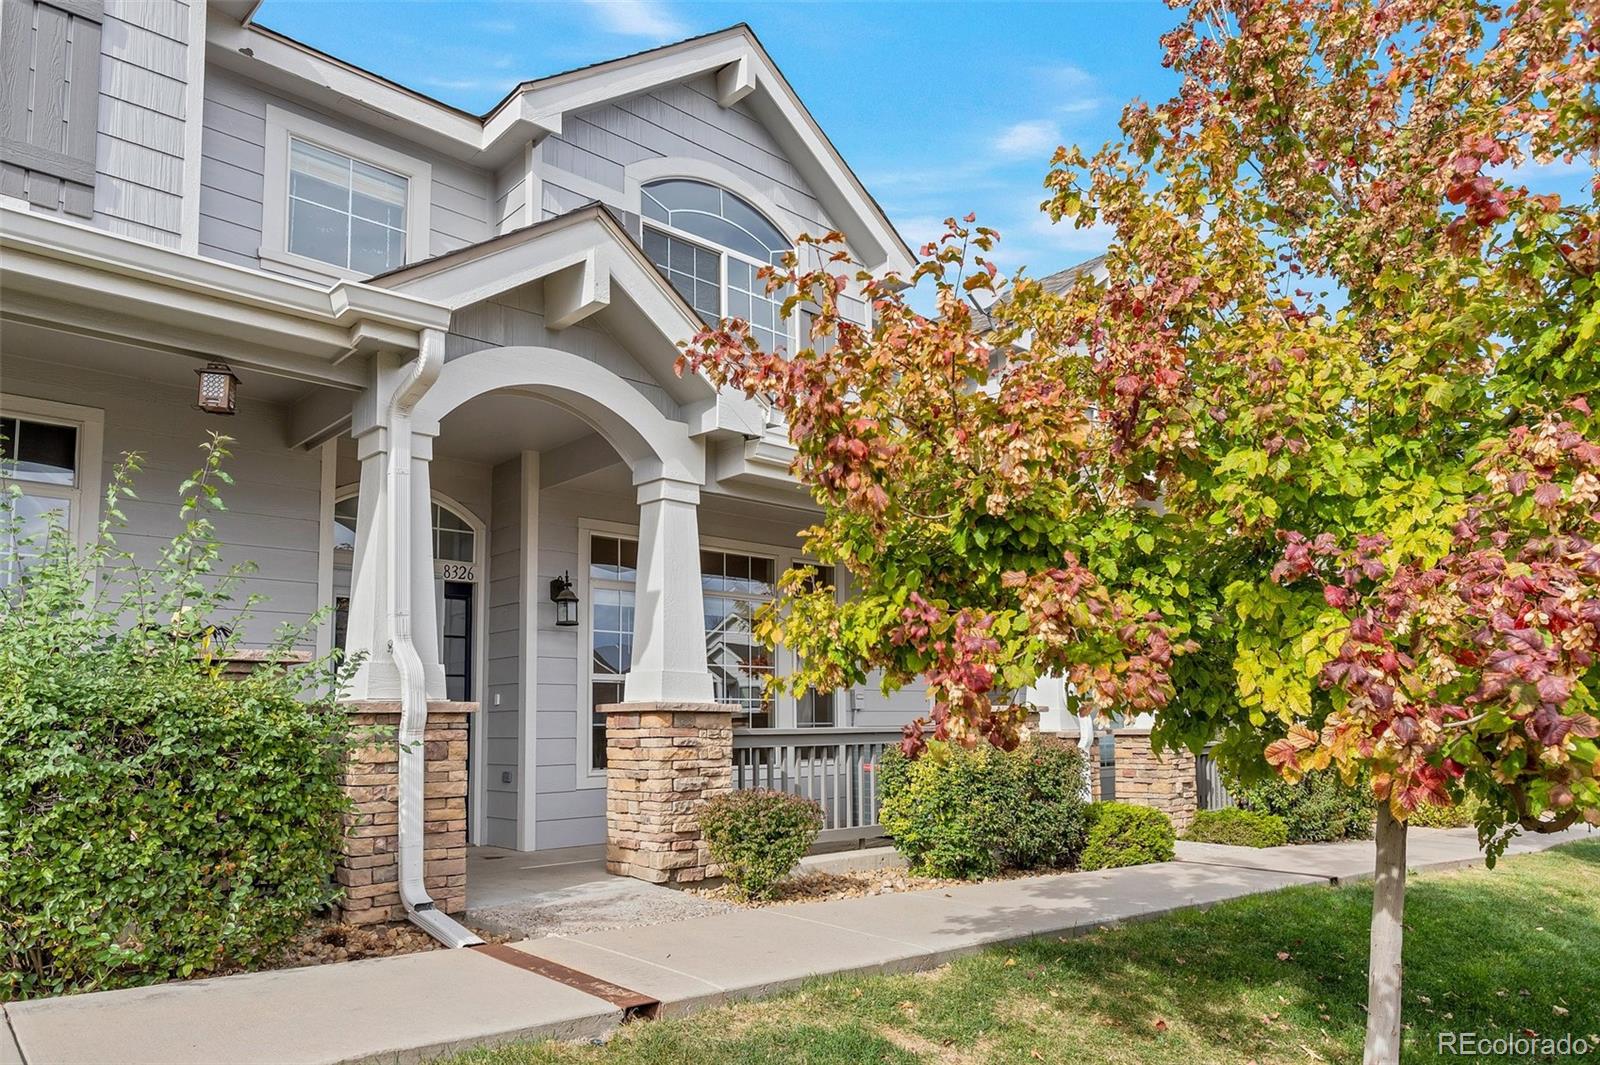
(424, 607)
(367, 632)
(669, 636)
(377, 677)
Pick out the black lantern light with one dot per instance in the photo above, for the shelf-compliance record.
(219, 389)
(565, 599)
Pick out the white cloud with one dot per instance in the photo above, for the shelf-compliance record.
(1038, 137)
(636, 18)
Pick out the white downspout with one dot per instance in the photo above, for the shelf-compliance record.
(413, 683)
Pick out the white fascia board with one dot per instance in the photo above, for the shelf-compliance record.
(538, 108)
(51, 256)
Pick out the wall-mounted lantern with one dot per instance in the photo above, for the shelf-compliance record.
(566, 601)
(219, 389)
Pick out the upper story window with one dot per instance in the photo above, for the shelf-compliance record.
(710, 243)
(335, 204)
(345, 212)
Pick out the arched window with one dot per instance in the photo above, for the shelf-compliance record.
(709, 243)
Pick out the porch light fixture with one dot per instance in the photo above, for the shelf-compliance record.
(219, 389)
(566, 601)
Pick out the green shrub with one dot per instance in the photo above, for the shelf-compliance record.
(968, 814)
(1463, 814)
(1321, 808)
(1123, 834)
(156, 819)
(1238, 828)
(757, 836)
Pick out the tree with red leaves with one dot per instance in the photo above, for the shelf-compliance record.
(1309, 466)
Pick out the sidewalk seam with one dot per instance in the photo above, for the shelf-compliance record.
(11, 1035)
(641, 961)
(1331, 878)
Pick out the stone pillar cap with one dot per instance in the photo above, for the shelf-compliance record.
(669, 707)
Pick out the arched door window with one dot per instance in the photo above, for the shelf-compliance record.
(455, 547)
(709, 244)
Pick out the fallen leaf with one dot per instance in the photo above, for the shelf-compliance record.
(1284, 955)
(1160, 1025)
(1560, 1011)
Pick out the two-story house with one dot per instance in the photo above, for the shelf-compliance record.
(447, 341)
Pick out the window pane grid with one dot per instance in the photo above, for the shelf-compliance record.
(734, 587)
(345, 212)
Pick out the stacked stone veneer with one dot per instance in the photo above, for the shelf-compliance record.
(663, 761)
(368, 869)
(1165, 781)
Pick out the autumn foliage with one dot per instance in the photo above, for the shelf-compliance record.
(1307, 463)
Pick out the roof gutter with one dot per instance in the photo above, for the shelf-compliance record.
(419, 905)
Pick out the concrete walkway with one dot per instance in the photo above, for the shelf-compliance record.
(423, 1005)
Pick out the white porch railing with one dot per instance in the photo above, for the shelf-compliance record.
(834, 767)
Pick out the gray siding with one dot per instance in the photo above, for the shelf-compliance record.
(502, 691)
(517, 317)
(143, 106)
(273, 505)
(675, 121)
(234, 163)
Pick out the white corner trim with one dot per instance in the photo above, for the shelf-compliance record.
(193, 130)
(283, 124)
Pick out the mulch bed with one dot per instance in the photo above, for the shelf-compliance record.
(325, 941)
(825, 887)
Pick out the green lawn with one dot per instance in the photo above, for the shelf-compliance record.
(1276, 978)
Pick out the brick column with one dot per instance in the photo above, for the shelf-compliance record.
(1164, 781)
(368, 867)
(663, 760)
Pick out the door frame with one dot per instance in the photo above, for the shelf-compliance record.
(477, 740)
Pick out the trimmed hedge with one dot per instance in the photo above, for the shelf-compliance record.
(157, 820)
(1463, 814)
(757, 836)
(1123, 834)
(1321, 808)
(1238, 828)
(966, 814)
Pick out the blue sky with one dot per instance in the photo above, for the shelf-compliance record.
(941, 108)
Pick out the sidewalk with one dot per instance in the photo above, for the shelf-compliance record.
(419, 1006)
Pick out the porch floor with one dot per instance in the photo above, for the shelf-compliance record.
(567, 891)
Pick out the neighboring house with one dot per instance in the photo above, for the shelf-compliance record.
(454, 335)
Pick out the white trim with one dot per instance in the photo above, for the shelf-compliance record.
(90, 422)
(193, 129)
(587, 776)
(334, 493)
(785, 705)
(284, 124)
(537, 109)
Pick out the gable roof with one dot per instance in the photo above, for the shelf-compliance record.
(535, 109)
(591, 267)
(987, 318)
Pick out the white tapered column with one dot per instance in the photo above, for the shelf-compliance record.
(367, 631)
(424, 609)
(669, 637)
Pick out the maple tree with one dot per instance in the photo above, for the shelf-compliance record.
(1307, 465)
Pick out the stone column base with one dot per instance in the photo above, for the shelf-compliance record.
(368, 868)
(1164, 781)
(663, 761)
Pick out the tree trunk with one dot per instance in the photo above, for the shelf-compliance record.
(1384, 970)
